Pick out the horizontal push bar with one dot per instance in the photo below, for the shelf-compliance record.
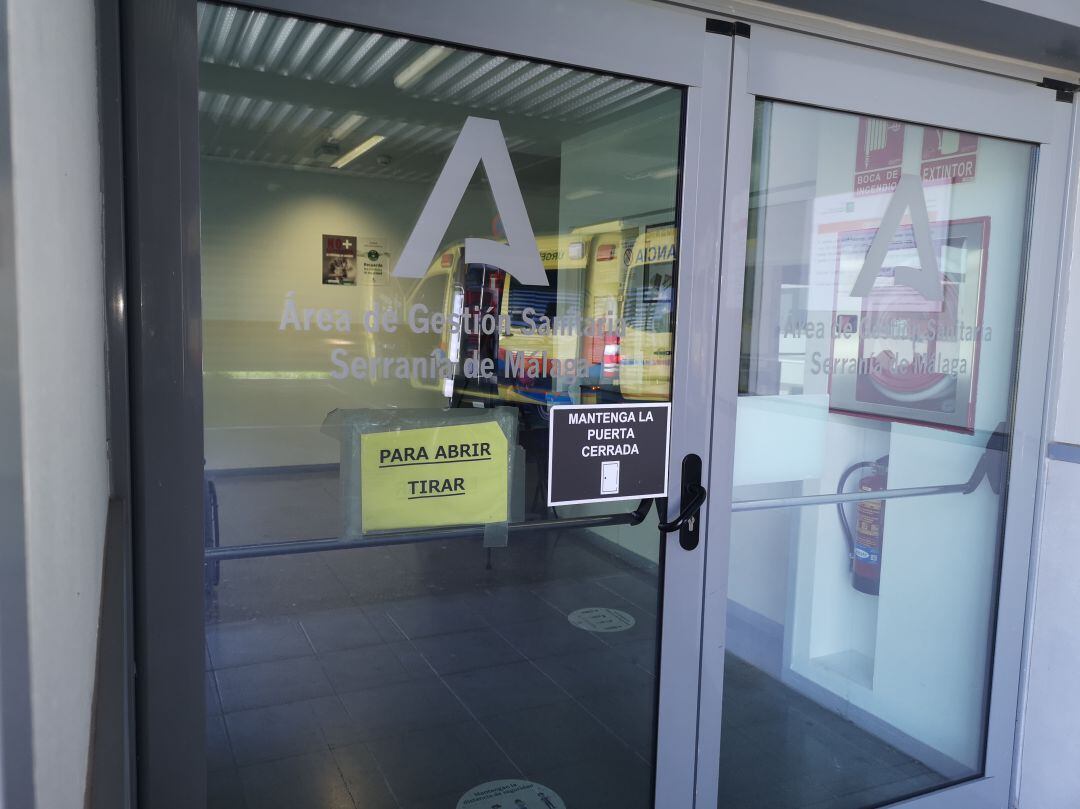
(291, 547)
(847, 497)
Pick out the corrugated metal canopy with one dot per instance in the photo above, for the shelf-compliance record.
(285, 91)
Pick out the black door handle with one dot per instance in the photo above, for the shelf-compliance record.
(693, 496)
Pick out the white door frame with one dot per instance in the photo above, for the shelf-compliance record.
(664, 44)
(792, 67)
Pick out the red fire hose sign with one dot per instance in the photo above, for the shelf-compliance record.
(879, 156)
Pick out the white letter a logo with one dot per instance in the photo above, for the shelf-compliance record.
(926, 280)
(481, 141)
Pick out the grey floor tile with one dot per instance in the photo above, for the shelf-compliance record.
(213, 701)
(567, 596)
(274, 586)
(381, 573)
(401, 707)
(433, 615)
(219, 754)
(748, 709)
(868, 745)
(551, 735)
(368, 787)
(785, 790)
(592, 669)
(511, 605)
(448, 759)
(466, 650)
(444, 801)
(387, 629)
(310, 781)
(642, 653)
(374, 562)
(224, 790)
(639, 589)
(371, 666)
(547, 637)
(743, 769)
(795, 743)
(827, 762)
(628, 711)
(257, 641)
(896, 790)
(374, 588)
(503, 689)
(854, 801)
(911, 768)
(273, 683)
(280, 731)
(618, 781)
(356, 606)
(334, 630)
(571, 559)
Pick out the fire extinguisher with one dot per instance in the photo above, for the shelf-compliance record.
(866, 540)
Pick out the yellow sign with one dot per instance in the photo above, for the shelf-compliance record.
(453, 475)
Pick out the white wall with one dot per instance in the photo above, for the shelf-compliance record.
(61, 358)
(262, 234)
(262, 231)
(1047, 777)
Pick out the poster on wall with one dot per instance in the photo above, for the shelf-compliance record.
(373, 262)
(898, 355)
(339, 260)
(879, 154)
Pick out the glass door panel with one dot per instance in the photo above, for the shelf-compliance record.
(369, 651)
(882, 303)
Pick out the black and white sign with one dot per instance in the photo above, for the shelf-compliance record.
(607, 452)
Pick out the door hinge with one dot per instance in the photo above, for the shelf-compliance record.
(1065, 90)
(727, 28)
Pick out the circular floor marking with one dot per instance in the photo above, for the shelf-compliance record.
(601, 619)
(510, 795)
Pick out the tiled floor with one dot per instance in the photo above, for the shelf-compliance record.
(402, 677)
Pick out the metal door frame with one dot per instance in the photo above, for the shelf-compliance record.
(162, 310)
(797, 68)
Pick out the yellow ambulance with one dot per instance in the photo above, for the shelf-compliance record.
(566, 330)
(434, 294)
(648, 306)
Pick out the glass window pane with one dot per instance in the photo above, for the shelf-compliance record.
(884, 280)
(417, 666)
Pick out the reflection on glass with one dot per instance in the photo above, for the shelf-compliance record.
(408, 674)
(885, 266)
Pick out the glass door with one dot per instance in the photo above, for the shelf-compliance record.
(888, 273)
(413, 253)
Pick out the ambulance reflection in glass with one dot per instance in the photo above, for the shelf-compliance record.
(600, 330)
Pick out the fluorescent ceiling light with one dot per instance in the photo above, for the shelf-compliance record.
(600, 227)
(419, 66)
(653, 174)
(347, 125)
(663, 174)
(583, 193)
(352, 154)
